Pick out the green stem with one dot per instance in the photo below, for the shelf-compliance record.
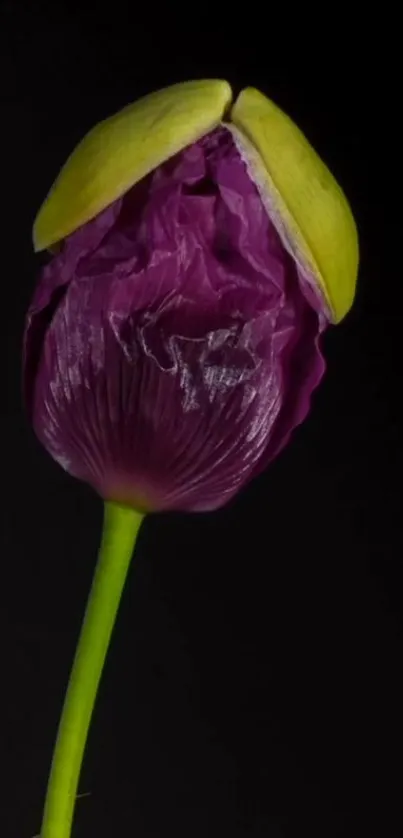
(120, 530)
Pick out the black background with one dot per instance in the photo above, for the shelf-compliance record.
(253, 682)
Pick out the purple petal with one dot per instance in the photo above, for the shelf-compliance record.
(173, 344)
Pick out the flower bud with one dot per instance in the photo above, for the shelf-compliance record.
(172, 343)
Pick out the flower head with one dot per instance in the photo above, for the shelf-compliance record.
(172, 344)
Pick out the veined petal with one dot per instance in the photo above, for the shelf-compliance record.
(173, 343)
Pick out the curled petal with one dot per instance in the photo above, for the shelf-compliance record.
(174, 342)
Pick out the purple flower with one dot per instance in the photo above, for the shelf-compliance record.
(172, 344)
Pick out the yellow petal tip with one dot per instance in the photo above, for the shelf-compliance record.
(312, 205)
(123, 149)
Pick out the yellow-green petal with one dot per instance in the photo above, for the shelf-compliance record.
(122, 149)
(312, 205)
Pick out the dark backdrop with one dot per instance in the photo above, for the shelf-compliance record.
(252, 685)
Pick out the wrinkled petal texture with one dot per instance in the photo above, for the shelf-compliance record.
(173, 344)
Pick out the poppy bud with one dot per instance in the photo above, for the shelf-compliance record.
(172, 344)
